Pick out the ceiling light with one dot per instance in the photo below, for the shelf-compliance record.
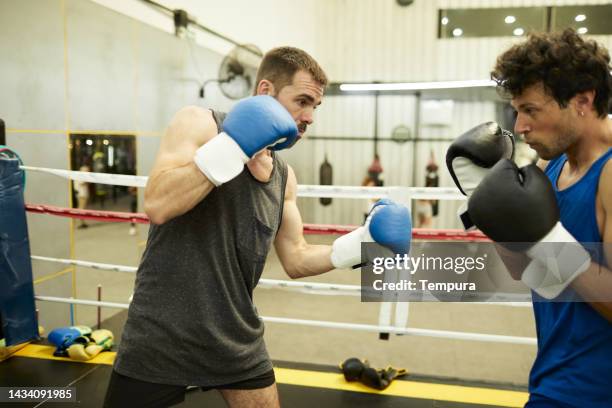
(518, 31)
(509, 19)
(457, 32)
(444, 20)
(582, 30)
(89, 142)
(417, 86)
(580, 17)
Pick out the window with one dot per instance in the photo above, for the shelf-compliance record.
(594, 20)
(491, 22)
(518, 21)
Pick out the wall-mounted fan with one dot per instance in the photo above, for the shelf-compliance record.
(237, 72)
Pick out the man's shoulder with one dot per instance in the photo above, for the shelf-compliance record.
(291, 184)
(194, 111)
(605, 184)
(605, 176)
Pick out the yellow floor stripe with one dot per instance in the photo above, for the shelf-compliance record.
(317, 379)
(46, 352)
(6, 352)
(412, 389)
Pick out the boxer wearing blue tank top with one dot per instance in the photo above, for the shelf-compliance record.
(560, 86)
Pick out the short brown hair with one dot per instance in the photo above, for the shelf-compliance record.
(564, 62)
(279, 65)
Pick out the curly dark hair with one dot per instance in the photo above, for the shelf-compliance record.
(564, 62)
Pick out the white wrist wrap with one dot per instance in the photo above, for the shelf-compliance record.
(556, 261)
(220, 159)
(346, 250)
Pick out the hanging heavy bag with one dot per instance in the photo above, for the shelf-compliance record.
(432, 180)
(2, 133)
(375, 171)
(326, 179)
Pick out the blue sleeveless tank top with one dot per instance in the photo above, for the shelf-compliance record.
(574, 360)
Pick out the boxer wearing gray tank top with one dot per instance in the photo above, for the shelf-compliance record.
(218, 197)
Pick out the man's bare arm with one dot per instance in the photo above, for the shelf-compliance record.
(299, 259)
(176, 184)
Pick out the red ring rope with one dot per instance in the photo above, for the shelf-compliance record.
(428, 234)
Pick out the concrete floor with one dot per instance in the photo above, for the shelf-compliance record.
(468, 360)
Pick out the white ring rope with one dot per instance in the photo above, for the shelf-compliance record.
(445, 334)
(90, 177)
(417, 193)
(315, 288)
(93, 265)
(84, 302)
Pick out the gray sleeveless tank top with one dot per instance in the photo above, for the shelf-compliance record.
(192, 320)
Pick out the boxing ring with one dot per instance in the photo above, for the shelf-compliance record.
(393, 315)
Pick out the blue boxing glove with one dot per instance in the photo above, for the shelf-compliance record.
(254, 124)
(389, 224)
(64, 337)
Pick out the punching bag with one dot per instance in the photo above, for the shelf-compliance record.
(17, 307)
(432, 180)
(375, 171)
(326, 173)
(2, 133)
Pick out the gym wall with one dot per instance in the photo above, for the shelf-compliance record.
(75, 66)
